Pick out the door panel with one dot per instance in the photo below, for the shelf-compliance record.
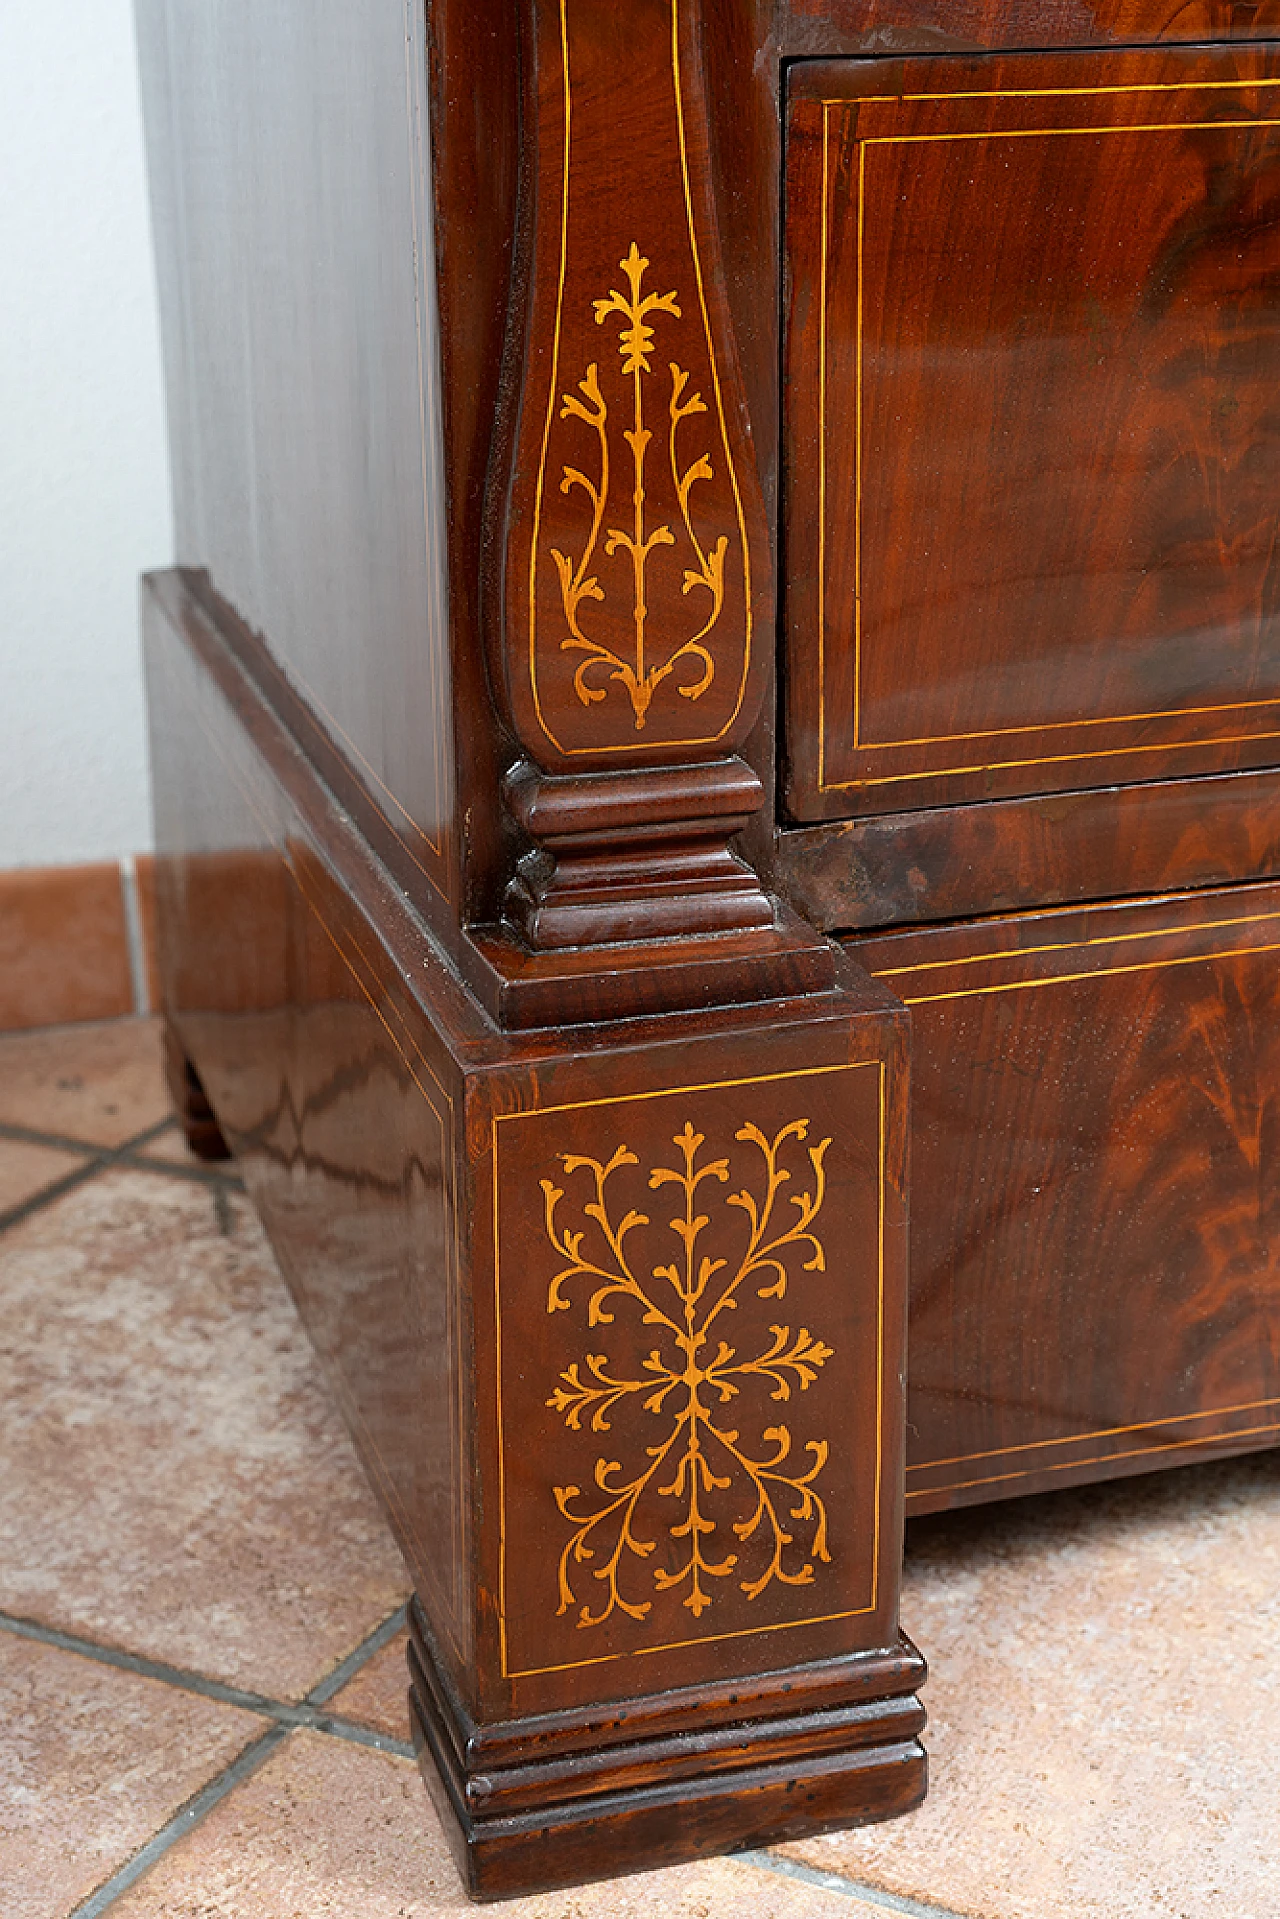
(1032, 424)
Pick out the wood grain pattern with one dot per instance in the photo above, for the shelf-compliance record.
(291, 189)
(503, 1312)
(895, 27)
(1095, 1287)
(635, 548)
(585, 1156)
(970, 611)
(944, 863)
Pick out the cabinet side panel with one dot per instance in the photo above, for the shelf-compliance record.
(337, 1100)
(289, 153)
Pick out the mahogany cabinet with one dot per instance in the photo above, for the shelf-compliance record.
(720, 699)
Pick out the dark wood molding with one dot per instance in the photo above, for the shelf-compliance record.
(534, 1805)
(622, 857)
(1047, 849)
(631, 560)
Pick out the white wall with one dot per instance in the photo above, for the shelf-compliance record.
(84, 503)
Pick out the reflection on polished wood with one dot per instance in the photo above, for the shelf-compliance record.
(981, 616)
(1093, 1117)
(554, 959)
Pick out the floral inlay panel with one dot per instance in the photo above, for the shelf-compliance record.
(727, 1355)
(640, 672)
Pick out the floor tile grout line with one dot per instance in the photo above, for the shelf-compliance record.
(306, 1713)
(335, 1727)
(250, 1757)
(174, 1169)
(46, 1195)
(62, 1142)
(69, 1143)
(188, 1816)
(837, 1883)
(99, 1159)
(127, 1155)
(346, 1669)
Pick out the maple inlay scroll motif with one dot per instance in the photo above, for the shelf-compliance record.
(717, 1487)
(641, 667)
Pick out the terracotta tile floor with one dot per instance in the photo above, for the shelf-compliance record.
(201, 1650)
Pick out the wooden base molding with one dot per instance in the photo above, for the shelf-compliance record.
(538, 1804)
(520, 988)
(636, 855)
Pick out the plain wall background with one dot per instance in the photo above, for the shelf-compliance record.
(84, 484)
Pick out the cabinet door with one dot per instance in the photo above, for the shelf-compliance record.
(1032, 424)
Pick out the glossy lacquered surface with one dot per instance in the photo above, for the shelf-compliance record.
(888, 27)
(586, 1156)
(1043, 849)
(615, 1316)
(1094, 1283)
(1031, 423)
(294, 215)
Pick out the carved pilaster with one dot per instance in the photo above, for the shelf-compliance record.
(632, 590)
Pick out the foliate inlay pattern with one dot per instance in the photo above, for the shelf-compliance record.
(640, 671)
(698, 1468)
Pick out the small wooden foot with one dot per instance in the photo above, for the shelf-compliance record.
(543, 1803)
(190, 1102)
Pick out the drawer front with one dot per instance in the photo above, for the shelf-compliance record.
(1095, 1213)
(1032, 424)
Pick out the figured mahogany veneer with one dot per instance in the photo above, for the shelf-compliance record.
(1094, 1111)
(1011, 277)
(723, 543)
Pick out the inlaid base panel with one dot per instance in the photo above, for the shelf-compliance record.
(615, 1314)
(542, 1803)
(1095, 1283)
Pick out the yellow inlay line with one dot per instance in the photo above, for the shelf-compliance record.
(1050, 759)
(715, 377)
(822, 453)
(1101, 1432)
(877, 746)
(554, 384)
(664, 1092)
(1050, 93)
(1050, 133)
(1099, 972)
(1068, 726)
(1098, 1459)
(1079, 946)
(857, 484)
(623, 1099)
(875, 1547)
